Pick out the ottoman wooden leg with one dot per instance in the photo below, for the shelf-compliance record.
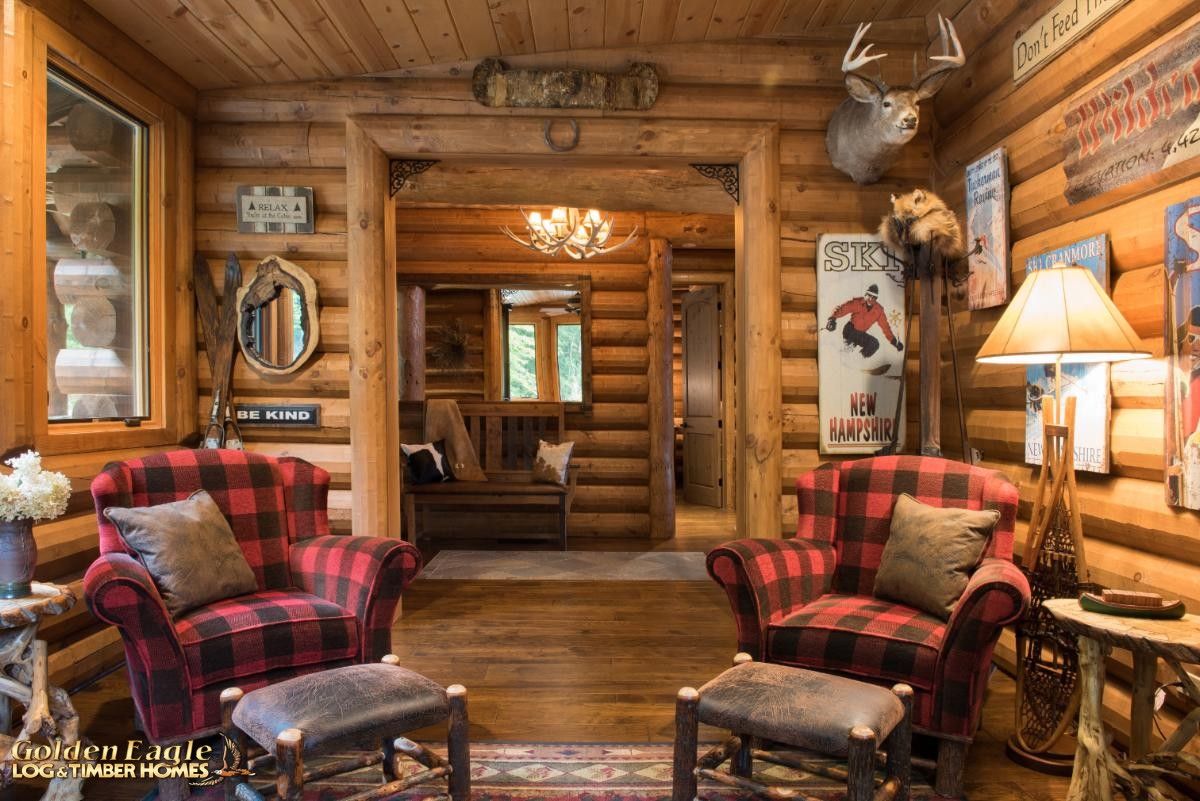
(860, 782)
(683, 776)
(742, 761)
(289, 746)
(899, 745)
(458, 745)
(229, 700)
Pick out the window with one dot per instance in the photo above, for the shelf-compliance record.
(522, 362)
(96, 251)
(570, 362)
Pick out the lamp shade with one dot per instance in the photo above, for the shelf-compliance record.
(1061, 313)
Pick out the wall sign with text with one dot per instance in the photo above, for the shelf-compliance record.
(987, 224)
(275, 210)
(1139, 120)
(860, 345)
(301, 415)
(1051, 35)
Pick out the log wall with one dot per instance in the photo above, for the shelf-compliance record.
(1134, 540)
(294, 133)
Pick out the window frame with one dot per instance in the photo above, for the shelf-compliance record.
(165, 221)
(545, 337)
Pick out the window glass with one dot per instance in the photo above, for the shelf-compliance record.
(570, 363)
(522, 362)
(96, 257)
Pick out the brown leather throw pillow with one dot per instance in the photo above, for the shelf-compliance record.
(188, 549)
(553, 462)
(931, 553)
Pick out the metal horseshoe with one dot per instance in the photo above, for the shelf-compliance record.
(561, 148)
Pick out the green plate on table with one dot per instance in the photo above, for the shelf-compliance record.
(1173, 610)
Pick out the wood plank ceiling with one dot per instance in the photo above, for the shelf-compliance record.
(220, 43)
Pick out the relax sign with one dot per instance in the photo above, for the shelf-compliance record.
(1055, 31)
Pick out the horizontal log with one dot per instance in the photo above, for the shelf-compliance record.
(254, 247)
(495, 246)
(77, 278)
(335, 419)
(216, 188)
(329, 276)
(70, 663)
(606, 442)
(85, 371)
(295, 145)
(334, 458)
(326, 375)
(619, 332)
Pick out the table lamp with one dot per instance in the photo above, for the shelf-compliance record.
(1060, 315)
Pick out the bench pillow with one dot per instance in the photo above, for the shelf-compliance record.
(426, 463)
(552, 463)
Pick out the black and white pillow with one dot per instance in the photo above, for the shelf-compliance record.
(427, 463)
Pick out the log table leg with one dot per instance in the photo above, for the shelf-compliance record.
(1141, 703)
(1091, 779)
(860, 765)
(458, 744)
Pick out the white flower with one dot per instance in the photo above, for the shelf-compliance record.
(30, 492)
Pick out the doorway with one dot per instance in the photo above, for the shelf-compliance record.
(752, 147)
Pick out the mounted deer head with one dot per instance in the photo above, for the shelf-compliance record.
(868, 129)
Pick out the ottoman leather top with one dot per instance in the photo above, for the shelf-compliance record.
(797, 707)
(357, 704)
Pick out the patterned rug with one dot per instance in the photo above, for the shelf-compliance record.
(580, 772)
(568, 566)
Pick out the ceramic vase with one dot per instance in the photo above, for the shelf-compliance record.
(18, 558)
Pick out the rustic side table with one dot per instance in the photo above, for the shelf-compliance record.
(1175, 642)
(24, 678)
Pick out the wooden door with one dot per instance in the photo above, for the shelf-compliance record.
(703, 443)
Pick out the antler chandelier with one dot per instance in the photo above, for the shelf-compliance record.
(577, 233)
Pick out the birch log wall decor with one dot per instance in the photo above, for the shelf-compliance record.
(497, 86)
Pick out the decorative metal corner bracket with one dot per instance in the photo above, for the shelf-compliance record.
(726, 174)
(400, 170)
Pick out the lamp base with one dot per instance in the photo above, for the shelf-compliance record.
(1049, 763)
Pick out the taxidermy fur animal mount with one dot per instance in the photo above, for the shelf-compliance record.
(495, 85)
(922, 218)
(869, 128)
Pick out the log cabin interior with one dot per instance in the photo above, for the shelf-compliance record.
(559, 350)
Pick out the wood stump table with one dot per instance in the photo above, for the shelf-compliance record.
(24, 678)
(1145, 774)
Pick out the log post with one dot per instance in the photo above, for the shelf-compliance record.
(458, 744)
(1090, 779)
(374, 390)
(757, 289)
(860, 783)
(660, 379)
(1141, 703)
(412, 343)
(289, 756)
(899, 745)
(493, 347)
(683, 783)
(930, 328)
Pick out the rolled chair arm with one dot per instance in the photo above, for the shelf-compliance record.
(119, 591)
(766, 580)
(997, 595)
(364, 575)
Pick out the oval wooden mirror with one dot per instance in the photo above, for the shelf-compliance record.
(278, 323)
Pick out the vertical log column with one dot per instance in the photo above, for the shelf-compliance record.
(493, 347)
(758, 288)
(412, 343)
(662, 406)
(374, 390)
(930, 326)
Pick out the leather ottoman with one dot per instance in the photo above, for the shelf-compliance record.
(816, 712)
(352, 707)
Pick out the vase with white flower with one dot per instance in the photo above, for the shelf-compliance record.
(27, 495)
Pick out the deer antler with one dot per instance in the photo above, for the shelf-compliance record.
(948, 60)
(850, 62)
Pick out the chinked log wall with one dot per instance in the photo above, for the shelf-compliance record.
(295, 134)
(1134, 540)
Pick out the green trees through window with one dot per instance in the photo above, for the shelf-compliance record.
(522, 362)
(570, 363)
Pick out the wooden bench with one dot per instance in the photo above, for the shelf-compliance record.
(505, 437)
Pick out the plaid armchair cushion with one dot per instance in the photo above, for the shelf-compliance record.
(861, 637)
(251, 634)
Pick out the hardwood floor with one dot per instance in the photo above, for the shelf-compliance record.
(574, 662)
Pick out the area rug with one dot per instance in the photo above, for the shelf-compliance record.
(582, 772)
(568, 566)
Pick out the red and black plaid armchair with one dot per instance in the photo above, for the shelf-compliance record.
(807, 602)
(323, 600)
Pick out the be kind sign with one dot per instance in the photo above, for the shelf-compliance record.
(1055, 31)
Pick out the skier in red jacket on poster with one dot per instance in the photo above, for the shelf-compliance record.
(864, 312)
